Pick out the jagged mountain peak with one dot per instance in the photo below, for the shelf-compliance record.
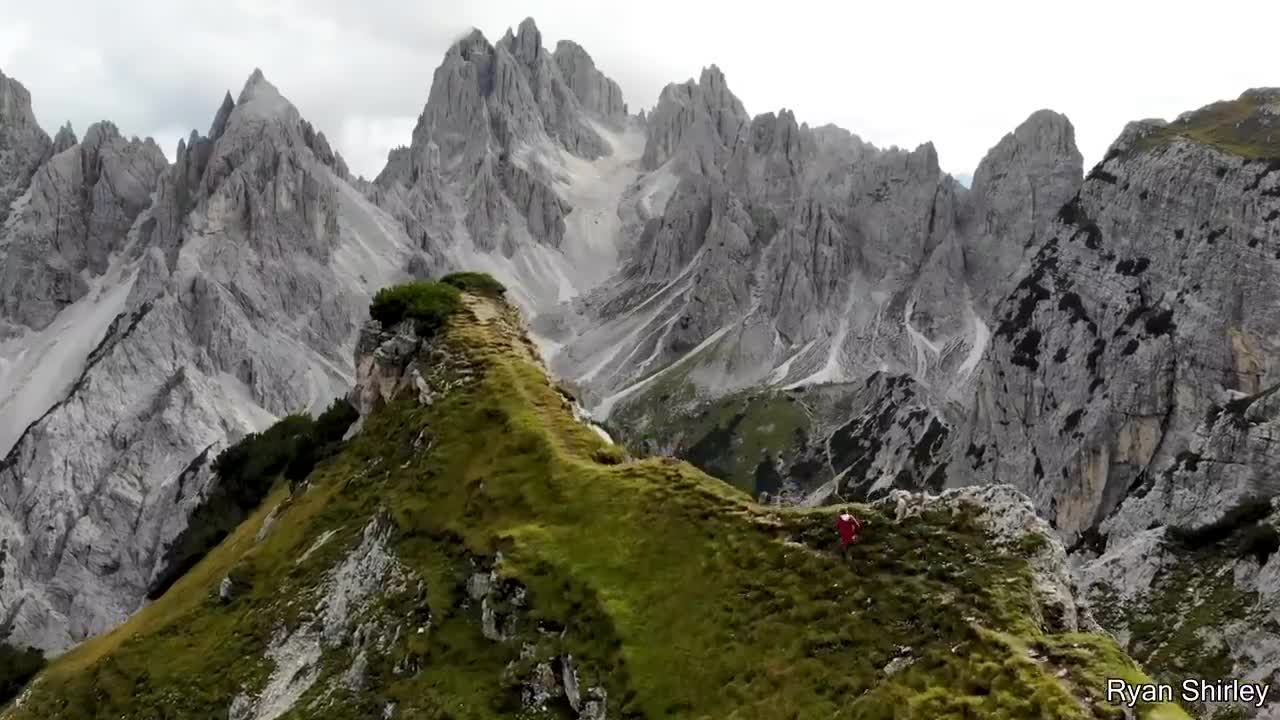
(15, 103)
(1047, 131)
(526, 43)
(261, 97)
(469, 43)
(23, 145)
(501, 97)
(65, 138)
(712, 79)
(1016, 191)
(700, 121)
(596, 91)
(100, 132)
(1046, 139)
(220, 118)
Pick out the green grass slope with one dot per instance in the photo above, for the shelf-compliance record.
(674, 595)
(1248, 126)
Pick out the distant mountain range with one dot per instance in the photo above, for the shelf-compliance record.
(789, 307)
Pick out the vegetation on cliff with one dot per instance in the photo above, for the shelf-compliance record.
(1246, 126)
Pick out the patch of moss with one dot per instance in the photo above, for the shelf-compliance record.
(672, 590)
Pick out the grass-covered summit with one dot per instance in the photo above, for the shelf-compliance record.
(1248, 126)
(486, 555)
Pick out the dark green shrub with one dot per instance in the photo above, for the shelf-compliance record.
(246, 472)
(17, 666)
(476, 282)
(1260, 541)
(1245, 513)
(427, 303)
(305, 456)
(248, 468)
(334, 422)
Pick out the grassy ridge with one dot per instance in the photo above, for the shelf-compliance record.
(1240, 127)
(671, 589)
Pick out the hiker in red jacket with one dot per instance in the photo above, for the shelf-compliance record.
(848, 526)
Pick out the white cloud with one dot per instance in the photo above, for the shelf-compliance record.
(959, 74)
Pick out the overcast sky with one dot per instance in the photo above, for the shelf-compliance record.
(897, 72)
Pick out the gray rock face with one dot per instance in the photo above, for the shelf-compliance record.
(1128, 387)
(77, 212)
(512, 135)
(598, 94)
(246, 282)
(23, 145)
(65, 139)
(1140, 332)
(786, 255)
(698, 121)
(1017, 191)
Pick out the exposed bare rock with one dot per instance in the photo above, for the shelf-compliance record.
(1017, 191)
(23, 145)
(699, 122)
(78, 212)
(1137, 344)
(598, 94)
(65, 139)
(245, 283)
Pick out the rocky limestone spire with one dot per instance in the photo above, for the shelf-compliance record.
(598, 93)
(23, 145)
(495, 111)
(82, 204)
(526, 45)
(220, 118)
(1016, 192)
(701, 121)
(255, 84)
(65, 138)
(248, 137)
(770, 166)
(251, 217)
(534, 99)
(15, 104)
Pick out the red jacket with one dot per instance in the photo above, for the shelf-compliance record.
(848, 527)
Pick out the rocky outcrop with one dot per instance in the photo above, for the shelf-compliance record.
(23, 145)
(1016, 193)
(698, 122)
(597, 93)
(1128, 384)
(343, 621)
(1161, 297)
(78, 211)
(392, 361)
(1015, 526)
(504, 129)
